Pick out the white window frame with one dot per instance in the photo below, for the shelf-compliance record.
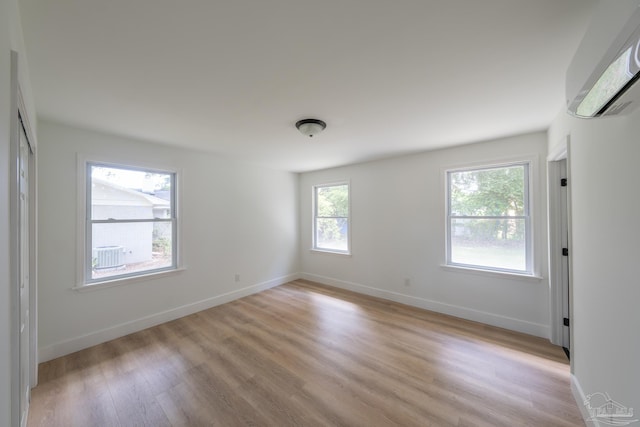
(314, 244)
(529, 217)
(84, 252)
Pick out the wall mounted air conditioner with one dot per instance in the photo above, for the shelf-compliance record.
(602, 78)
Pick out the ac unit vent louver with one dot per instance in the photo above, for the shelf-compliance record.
(108, 257)
(602, 79)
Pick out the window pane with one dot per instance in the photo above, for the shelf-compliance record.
(332, 201)
(332, 233)
(488, 192)
(126, 248)
(129, 194)
(493, 243)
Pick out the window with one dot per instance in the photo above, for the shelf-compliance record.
(331, 218)
(489, 225)
(130, 222)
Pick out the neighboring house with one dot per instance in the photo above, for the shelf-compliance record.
(135, 240)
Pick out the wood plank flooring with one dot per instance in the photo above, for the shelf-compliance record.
(308, 355)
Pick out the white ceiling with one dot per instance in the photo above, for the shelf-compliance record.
(233, 76)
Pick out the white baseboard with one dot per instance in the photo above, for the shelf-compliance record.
(580, 398)
(500, 321)
(94, 338)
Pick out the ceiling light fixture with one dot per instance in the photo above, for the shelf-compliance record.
(310, 127)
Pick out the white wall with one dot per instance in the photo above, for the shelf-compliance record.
(605, 202)
(10, 39)
(5, 290)
(236, 219)
(398, 232)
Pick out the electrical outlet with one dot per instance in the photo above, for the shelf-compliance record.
(237, 278)
(407, 281)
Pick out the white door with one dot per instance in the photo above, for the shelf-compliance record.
(23, 253)
(564, 235)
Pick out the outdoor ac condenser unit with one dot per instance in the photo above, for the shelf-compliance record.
(108, 257)
(602, 78)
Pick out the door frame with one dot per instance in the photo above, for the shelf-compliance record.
(557, 298)
(19, 117)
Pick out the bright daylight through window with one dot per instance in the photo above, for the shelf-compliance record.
(131, 222)
(331, 218)
(489, 226)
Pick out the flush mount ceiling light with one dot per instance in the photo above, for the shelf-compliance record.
(310, 127)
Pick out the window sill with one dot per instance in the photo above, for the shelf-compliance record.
(126, 280)
(328, 252)
(490, 273)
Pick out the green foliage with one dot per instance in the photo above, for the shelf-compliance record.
(498, 192)
(332, 210)
(164, 184)
(488, 192)
(333, 201)
(161, 245)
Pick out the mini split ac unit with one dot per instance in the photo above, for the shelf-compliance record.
(602, 78)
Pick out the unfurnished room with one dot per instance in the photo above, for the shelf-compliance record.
(338, 213)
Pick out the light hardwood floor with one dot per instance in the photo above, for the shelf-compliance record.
(309, 355)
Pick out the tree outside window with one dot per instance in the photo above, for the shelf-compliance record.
(331, 218)
(488, 218)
